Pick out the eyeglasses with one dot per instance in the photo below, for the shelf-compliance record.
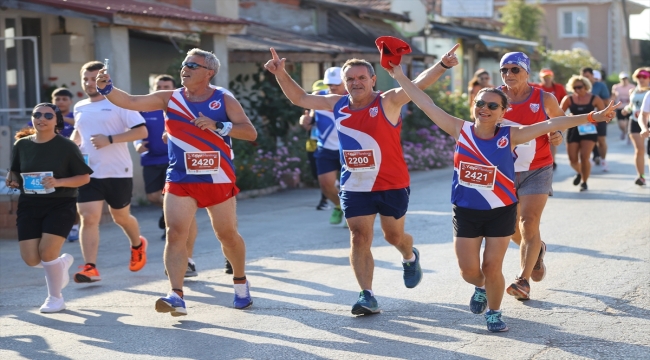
(491, 105)
(37, 115)
(192, 66)
(578, 87)
(515, 70)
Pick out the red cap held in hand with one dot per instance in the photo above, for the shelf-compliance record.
(391, 49)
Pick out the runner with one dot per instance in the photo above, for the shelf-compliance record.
(548, 85)
(483, 189)
(200, 122)
(48, 169)
(480, 80)
(312, 144)
(155, 160)
(642, 78)
(644, 121)
(327, 156)
(599, 89)
(533, 166)
(581, 139)
(374, 177)
(102, 131)
(621, 93)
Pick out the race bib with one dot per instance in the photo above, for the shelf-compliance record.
(587, 129)
(86, 159)
(360, 160)
(202, 163)
(476, 176)
(32, 182)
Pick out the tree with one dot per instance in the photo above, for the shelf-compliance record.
(566, 63)
(521, 19)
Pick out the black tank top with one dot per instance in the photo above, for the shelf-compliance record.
(582, 109)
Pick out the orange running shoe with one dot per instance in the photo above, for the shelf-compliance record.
(87, 275)
(139, 256)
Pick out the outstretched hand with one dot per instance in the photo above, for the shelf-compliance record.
(606, 114)
(102, 79)
(275, 65)
(450, 59)
(395, 70)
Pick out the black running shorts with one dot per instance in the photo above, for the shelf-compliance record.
(116, 191)
(470, 223)
(36, 216)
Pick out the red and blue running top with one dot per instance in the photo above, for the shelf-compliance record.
(484, 170)
(370, 148)
(184, 137)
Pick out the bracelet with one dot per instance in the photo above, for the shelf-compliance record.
(590, 117)
(443, 65)
(107, 89)
(110, 139)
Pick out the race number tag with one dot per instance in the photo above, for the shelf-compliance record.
(360, 160)
(587, 129)
(476, 176)
(32, 182)
(86, 159)
(202, 163)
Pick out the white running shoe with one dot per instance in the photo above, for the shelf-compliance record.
(67, 263)
(52, 305)
(603, 163)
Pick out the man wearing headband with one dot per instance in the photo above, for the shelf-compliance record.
(533, 167)
(599, 89)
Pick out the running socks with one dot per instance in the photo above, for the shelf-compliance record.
(412, 259)
(178, 292)
(239, 280)
(136, 247)
(54, 277)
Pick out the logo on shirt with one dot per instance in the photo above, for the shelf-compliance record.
(374, 111)
(534, 107)
(215, 105)
(509, 109)
(502, 142)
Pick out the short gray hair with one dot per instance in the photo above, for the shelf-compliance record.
(358, 62)
(211, 60)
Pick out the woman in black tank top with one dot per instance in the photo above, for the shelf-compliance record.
(581, 139)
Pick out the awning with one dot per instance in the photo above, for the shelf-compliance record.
(491, 39)
(500, 42)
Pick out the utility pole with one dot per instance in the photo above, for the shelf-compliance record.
(628, 41)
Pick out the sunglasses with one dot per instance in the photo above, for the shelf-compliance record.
(514, 70)
(491, 105)
(37, 115)
(192, 66)
(484, 78)
(578, 87)
(642, 76)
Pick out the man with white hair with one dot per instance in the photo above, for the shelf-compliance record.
(200, 121)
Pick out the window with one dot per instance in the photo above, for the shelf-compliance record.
(573, 22)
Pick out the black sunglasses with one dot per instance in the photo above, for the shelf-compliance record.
(514, 70)
(491, 105)
(37, 115)
(192, 66)
(578, 87)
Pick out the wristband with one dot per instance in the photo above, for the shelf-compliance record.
(443, 65)
(107, 89)
(110, 139)
(590, 117)
(225, 130)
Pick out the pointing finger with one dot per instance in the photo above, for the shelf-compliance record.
(274, 54)
(453, 50)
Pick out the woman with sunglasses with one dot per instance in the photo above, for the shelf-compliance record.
(642, 78)
(483, 186)
(581, 139)
(48, 169)
(480, 80)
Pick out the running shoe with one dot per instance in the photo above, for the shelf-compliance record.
(583, 186)
(494, 322)
(227, 268)
(597, 160)
(323, 204)
(539, 271)
(366, 305)
(67, 263)
(337, 216)
(73, 235)
(478, 302)
(172, 303)
(520, 289)
(139, 256)
(640, 181)
(242, 296)
(412, 271)
(603, 163)
(52, 305)
(87, 275)
(161, 221)
(577, 179)
(191, 270)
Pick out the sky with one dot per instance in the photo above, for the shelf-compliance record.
(640, 24)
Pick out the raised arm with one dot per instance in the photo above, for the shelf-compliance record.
(522, 134)
(446, 122)
(293, 91)
(150, 102)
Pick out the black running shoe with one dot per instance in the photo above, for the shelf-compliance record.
(577, 179)
(583, 187)
(227, 267)
(161, 221)
(323, 205)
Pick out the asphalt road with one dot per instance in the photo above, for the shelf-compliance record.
(594, 302)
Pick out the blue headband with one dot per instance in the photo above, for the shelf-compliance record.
(517, 58)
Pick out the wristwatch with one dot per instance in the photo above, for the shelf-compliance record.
(219, 125)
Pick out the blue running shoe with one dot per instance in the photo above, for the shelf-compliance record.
(413, 271)
(172, 303)
(242, 296)
(478, 302)
(494, 322)
(366, 305)
(73, 235)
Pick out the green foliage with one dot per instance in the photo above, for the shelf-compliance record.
(521, 19)
(566, 63)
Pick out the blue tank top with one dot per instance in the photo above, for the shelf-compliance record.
(157, 154)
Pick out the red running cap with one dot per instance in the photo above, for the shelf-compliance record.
(391, 49)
